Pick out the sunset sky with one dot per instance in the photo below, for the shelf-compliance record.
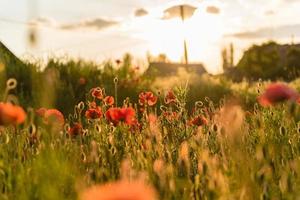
(106, 29)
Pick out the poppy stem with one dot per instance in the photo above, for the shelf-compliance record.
(5, 95)
(116, 90)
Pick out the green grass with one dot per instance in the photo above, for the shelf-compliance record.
(246, 152)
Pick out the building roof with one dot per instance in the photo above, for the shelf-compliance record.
(163, 69)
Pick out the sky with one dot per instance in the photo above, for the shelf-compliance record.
(106, 29)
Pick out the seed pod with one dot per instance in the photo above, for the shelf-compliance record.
(116, 80)
(199, 104)
(32, 129)
(80, 106)
(215, 127)
(98, 128)
(282, 130)
(11, 84)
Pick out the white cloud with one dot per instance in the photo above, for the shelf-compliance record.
(140, 12)
(93, 23)
(96, 23)
(212, 9)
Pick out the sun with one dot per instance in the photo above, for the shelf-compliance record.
(201, 31)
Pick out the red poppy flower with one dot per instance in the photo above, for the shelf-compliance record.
(54, 117)
(277, 92)
(112, 115)
(41, 112)
(121, 190)
(11, 114)
(147, 98)
(82, 81)
(116, 115)
(97, 93)
(170, 116)
(109, 100)
(127, 115)
(170, 97)
(92, 104)
(152, 118)
(198, 121)
(75, 130)
(93, 113)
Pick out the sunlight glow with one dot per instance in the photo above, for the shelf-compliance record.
(166, 36)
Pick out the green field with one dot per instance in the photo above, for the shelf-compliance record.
(186, 137)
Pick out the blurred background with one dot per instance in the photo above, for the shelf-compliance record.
(59, 50)
(100, 29)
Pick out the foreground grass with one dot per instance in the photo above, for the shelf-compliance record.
(235, 155)
(222, 147)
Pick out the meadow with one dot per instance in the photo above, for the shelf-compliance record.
(79, 130)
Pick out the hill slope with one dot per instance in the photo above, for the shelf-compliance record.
(7, 57)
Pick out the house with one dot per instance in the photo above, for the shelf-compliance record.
(164, 69)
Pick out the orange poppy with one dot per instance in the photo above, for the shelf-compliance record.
(277, 92)
(92, 104)
(11, 114)
(41, 112)
(170, 97)
(121, 190)
(97, 93)
(170, 116)
(109, 100)
(116, 115)
(147, 98)
(82, 81)
(93, 113)
(75, 130)
(53, 116)
(198, 121)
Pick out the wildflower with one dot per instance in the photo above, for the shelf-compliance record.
(112, 115)
(170, 97)
(54, 117)
(152, 119)
(11, 114)
(116, 115)
(109, 100)
(153, 124)
(198, 121)
(147, 98)
(277, 92)
(127, 115)
(82, 81)
(92, 104)
(75, 130)
(184, 151)
(158, 166)
(231, 118)
(121, 190)
(93, 113)
(41, 112)
(170, 116)
(97, 93)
